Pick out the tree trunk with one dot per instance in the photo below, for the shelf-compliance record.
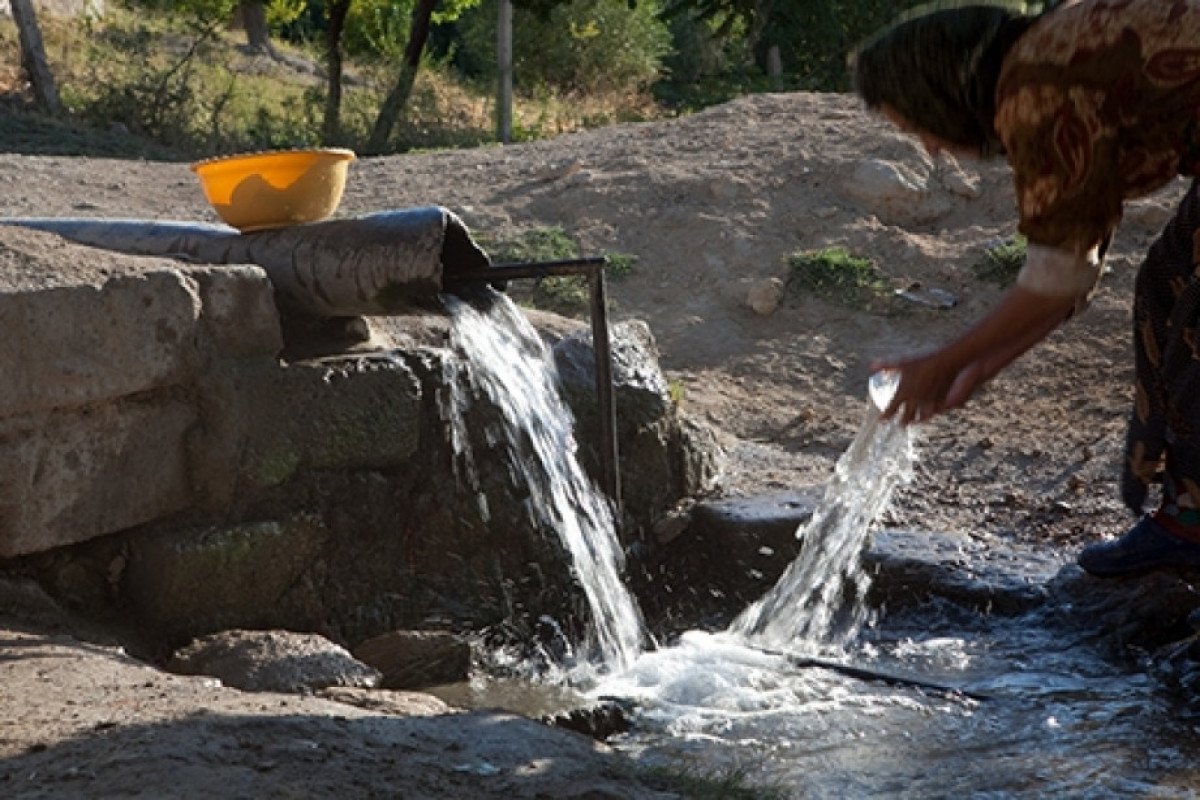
(397, 99)
(775, 67)
(254, 19)
(331, 125)
(33, 57)
(504, 63)
(758, 26)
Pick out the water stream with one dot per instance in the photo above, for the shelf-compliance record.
(511, 365)
(817, 605)
(1061, 718)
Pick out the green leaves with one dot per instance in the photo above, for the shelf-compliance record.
(834, 273)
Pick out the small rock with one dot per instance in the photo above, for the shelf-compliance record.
(415, 659)
(722, 189)
(670, 526)
(396, 703)
(764, 298)
(958, 182)
(600, 721)
(928, 296)
(895, 193)
(272, 661)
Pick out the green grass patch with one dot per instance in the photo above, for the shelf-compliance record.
(676, 391)
(836, 274)
(539, 244)
(563, 294)
(1000, 263)
(619, 265)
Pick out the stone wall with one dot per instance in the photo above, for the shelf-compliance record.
(173, 448)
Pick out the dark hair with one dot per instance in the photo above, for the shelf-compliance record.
(939, 70)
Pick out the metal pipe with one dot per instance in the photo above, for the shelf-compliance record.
(593, 268)
(604, 385)
(527, 269)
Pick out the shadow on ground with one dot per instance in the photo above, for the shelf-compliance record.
(25, 132)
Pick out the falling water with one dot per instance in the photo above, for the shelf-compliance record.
(511, 365)
(818, 601)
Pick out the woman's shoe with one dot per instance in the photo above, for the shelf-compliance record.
(1145, 546)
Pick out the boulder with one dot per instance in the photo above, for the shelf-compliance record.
(417, 659)
(71, 475)
(910, 566)
(272, 661)
(897, 193)
(664, 456)
(196, 580)
(731, 552)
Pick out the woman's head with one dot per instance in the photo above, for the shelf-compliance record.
(938, 70)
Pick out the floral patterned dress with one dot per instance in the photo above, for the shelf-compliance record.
(1097, 103)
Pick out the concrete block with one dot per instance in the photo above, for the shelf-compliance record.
(360, 414)
(238, 313)
(203, 580)
(71, 345)
(69, 476)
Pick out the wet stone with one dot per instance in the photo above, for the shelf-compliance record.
(731, 551)
(909, 566)
(416, 659)
(605, 719)
(771, 520)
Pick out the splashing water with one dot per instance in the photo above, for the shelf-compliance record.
(818, 601)
(512, 366)
(1064, 719)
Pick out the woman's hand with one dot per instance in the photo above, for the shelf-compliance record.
(946, 378)
(929, 384)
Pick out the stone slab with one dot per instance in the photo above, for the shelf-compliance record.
(237, 312)
(67, 477)
(206, 579)
(356, 414)
(107, 327)
(910, 566)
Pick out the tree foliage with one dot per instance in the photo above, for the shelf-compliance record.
(577, 45)
(813, 36)
(379, 29)
(572, 59)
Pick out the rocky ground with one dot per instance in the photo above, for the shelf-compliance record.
(711, 206)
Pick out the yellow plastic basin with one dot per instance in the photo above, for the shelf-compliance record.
(254, 191)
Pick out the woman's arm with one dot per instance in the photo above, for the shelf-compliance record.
(947, 377)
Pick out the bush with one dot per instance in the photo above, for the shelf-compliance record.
(1001, 262)
(565, 294)
(583, 46)
(834, 274)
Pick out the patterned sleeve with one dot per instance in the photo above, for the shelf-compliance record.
(1065, 160)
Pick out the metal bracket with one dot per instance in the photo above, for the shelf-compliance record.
(593, 268)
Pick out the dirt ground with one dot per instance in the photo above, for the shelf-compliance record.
(711, 206)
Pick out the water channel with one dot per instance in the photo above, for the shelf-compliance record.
(1042, 707)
